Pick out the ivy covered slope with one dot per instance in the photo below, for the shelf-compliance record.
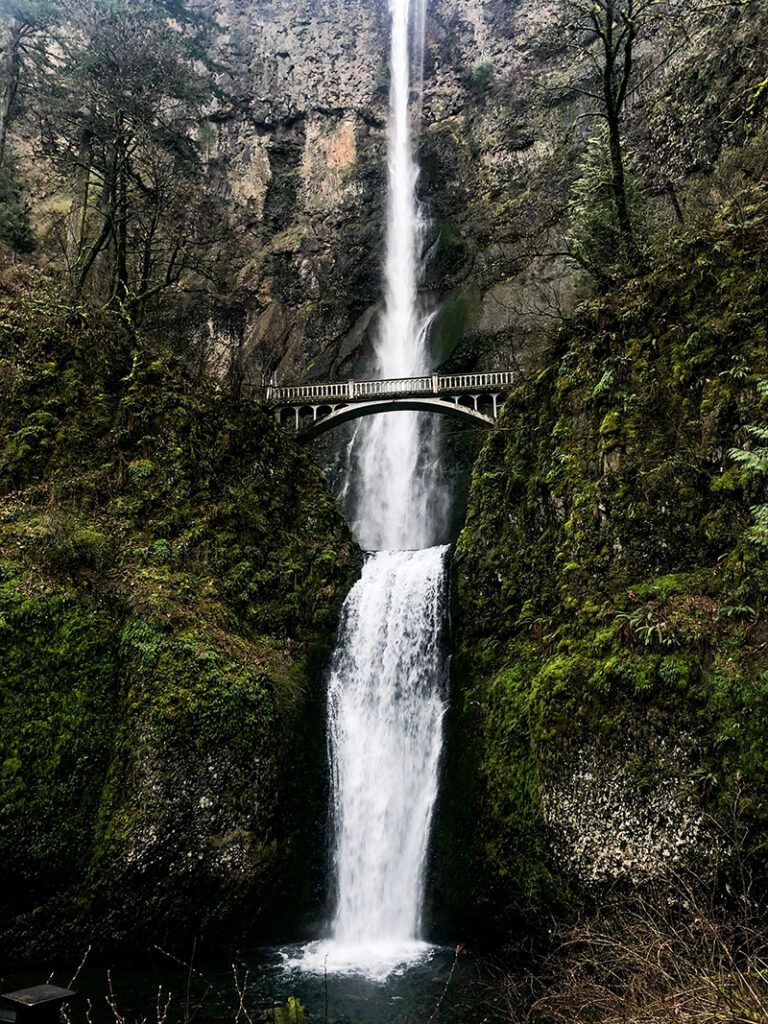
(612, 670)
(171, 567)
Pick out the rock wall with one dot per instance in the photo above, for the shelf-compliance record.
(610, 705)
(301, 153)
(171, 568)
(296, 149)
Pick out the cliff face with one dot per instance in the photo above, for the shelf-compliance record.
(295, 151)
(610, 673)
(170, 572)
(301, 151)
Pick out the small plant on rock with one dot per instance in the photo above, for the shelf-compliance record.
(754, 459)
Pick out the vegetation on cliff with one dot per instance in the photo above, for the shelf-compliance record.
(611, 583)
(170, 570)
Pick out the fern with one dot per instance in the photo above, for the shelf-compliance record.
(755, 460)
(758, 533)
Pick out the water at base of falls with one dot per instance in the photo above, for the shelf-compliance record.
(386, 702)
(376, 961)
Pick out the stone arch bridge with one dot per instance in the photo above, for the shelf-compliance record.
(313, 409)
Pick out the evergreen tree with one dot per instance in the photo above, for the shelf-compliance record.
(604, 36)
(15, 226)
(595, 237)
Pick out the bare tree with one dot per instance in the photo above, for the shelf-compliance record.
(605, 35)
(23, 27)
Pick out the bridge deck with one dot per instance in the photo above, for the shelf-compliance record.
(360, 390)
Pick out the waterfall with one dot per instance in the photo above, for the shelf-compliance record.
(385, 712)
(395, 460)
(386, 696)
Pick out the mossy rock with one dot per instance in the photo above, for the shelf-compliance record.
(171, 570)
(608, 600)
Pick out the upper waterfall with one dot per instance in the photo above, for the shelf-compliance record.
(395, 456)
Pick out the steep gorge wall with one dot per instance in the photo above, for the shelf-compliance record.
(301, 152)
(295, 149)
(171, 568)
(610, 713)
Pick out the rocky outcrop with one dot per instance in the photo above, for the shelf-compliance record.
(626, 817)
(301, 153)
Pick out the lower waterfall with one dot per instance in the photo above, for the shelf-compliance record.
(385, 714)
(386, 702)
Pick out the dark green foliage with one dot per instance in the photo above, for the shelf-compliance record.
(754, 459)
(15, 225)
(482, 75)
(595, 236)
(382, 78)
(58, 660)
(171, 567)
(608, 585)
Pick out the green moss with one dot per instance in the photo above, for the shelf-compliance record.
(605, 576)
(452, 322)
(58, 680)
(612, 422)
(171, 569)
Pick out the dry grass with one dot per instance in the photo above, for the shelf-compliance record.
(674, 958)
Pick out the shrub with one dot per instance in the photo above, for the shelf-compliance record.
(64, 544)
(482, 75)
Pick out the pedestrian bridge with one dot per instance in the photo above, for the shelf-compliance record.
(312, 409)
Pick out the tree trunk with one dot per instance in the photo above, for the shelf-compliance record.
(11, 73)
(619, 185)
(672, 192)
(121, 241)
(78, 214)
(93, 252)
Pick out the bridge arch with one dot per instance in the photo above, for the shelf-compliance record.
(345, 413)
(312, 409)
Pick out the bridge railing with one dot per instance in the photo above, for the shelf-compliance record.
(481, 381)
(434, 384)
(308, 392)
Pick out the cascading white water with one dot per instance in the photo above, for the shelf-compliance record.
(386, 706)
(386, 702)
(394, 462)
(386, 697)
